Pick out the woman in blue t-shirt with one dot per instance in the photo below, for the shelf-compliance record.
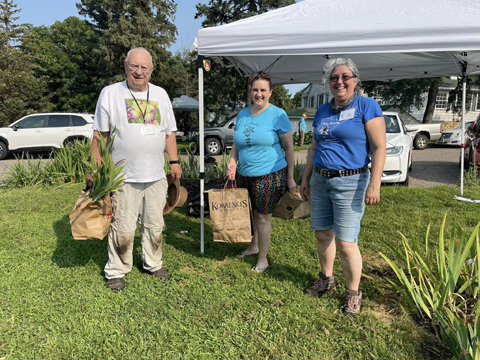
(262, 133)
(347, 131)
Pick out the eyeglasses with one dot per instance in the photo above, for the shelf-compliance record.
(135, 67)
(344, 78)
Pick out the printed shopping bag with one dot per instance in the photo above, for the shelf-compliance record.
(231, 215)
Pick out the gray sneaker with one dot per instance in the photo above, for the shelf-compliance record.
(353, 302)
(321, 286)
(116, 284)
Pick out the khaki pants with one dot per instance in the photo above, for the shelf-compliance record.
(143, 202)
(301, 138)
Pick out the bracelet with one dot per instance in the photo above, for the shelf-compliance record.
(174, 162)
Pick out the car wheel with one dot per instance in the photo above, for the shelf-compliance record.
(407, 180)
(213, 146)
(420, 142)
(3, 150)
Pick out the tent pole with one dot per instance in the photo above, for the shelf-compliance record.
(201, 149)
(464, 97)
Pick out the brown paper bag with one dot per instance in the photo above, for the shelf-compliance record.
(231, 215)
(91, 220)
(292, 206)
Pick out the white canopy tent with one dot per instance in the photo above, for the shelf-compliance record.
(387, 39)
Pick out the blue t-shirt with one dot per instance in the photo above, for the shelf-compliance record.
(302, 124)
(256, 138)
(341, 140)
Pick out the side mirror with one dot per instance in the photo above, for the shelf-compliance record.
(231, 125)
(15, 127)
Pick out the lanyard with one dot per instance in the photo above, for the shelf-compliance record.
(136, 102)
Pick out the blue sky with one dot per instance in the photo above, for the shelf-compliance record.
(46, 12)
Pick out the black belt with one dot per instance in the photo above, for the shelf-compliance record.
(336, 173)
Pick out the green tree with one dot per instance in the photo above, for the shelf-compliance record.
(21, 92)
(297, 99)
(407, 93)
(64, 54)
(123, 25)
(224, 87)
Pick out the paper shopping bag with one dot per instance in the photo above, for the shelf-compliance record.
(91, 219)
(292, 206)
(231, 215)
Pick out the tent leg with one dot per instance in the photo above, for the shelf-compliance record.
(201, 150)
(464, 97)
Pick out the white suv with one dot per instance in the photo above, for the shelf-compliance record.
(45, 131)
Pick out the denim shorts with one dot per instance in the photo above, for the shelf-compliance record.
(338, 203)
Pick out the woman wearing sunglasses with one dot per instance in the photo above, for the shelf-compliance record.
(347, 132)
(261, 132)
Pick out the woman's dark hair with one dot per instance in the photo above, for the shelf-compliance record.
(261, 75)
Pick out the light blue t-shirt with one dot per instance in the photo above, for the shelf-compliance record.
(256, 138)
(303, 125)
(341, 140)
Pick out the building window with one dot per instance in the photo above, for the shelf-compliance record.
(441, 101)
(312, 101)
(319, 100)
(305, 101)
(478, 103)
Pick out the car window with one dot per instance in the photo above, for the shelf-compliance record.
(391, 124)
(58, 121)
(32, 122)
(78, 120)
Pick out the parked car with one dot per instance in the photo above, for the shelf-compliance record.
(45, 131)
(453, 137)
(217, 138)
(399, 150)
(472, 150)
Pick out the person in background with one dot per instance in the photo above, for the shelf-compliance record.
(302, 127)
(263, 147)
(145, 126)
(347, 132)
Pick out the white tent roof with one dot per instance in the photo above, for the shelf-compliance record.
(185, 103)
(387, 39)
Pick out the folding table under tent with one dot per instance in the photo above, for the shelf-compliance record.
(388, 40)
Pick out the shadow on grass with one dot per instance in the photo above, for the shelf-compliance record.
(190, 244)
(76, 253)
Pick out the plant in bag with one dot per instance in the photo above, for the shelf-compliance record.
(107, 176)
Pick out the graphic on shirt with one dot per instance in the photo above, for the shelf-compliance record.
(326, 127)
(135, 114)
(247, 132)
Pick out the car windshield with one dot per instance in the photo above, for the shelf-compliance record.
(407, 120)
(467, 125)
(391, 124)
(223, 122)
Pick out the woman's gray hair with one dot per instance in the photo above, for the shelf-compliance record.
(332, 64)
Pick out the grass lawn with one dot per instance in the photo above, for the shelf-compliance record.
(54, 303)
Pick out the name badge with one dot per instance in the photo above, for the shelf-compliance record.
(347, 114)
(147, 130)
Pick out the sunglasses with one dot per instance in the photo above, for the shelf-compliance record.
(344, 78)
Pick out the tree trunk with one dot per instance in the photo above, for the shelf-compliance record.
(431, 101)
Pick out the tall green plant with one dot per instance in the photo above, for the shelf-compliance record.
(107, 176)
(442, 284)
